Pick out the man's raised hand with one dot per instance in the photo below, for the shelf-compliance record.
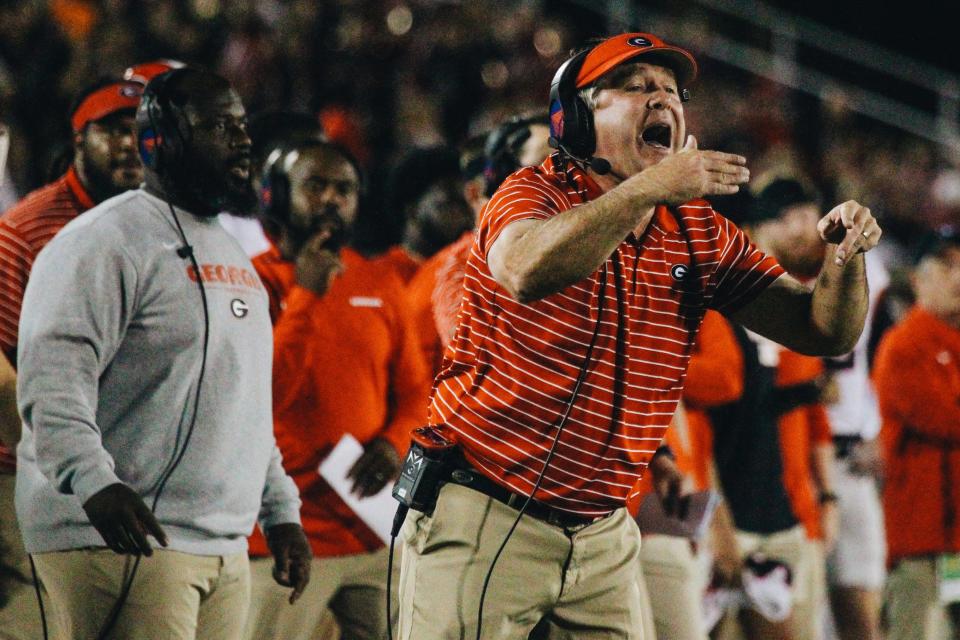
(692, 173)
(852, 228)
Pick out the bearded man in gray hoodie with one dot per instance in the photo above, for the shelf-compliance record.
(144, 387)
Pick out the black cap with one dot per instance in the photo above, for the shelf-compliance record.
(781, 194)
(936, 242)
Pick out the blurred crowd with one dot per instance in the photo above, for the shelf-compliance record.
(385, 76)
(409, 89)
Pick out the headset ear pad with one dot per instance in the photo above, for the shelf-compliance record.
(275, 189)
(583, 142)
(160, 140)
(148, 136)
(571, 121)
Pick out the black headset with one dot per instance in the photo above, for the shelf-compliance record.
(161, 138)
(502, 149)
(571, 120)
(275, 186)
(275, 178)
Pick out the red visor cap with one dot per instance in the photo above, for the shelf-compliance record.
(614, 51)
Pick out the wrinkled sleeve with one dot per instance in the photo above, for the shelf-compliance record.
(281, 499)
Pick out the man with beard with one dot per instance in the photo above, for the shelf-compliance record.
(346, 362)
(104, 164)
(144, 395)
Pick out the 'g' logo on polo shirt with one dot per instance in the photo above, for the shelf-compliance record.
(679, 272)
(239, 308)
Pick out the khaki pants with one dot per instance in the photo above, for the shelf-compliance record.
(584, 584)
(348, 592)
(19, 613)
(676, 583)
(175, 596)
(788, 546)
(913, 608)
(810, 604)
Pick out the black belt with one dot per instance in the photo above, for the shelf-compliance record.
(468, 477)
(844, 445)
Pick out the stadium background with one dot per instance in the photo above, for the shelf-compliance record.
(387, 74)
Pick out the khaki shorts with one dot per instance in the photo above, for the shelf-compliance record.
(912, 605)
(584, 583)
(860, 556)
(800, 554)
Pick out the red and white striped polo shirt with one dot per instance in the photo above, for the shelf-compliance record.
(513, 366)
(25, 229)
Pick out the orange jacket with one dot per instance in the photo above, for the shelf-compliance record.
(802, 429)
(917, 377)
(400, 262)
(715, 377)
(420, 296)
(347, 362)
(278, 276)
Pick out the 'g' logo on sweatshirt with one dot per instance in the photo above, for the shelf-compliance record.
(239, 308)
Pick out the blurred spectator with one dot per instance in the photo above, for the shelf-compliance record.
(519, 142)
(918, 382)
(425, 193)
(763, 446)
(35, 53)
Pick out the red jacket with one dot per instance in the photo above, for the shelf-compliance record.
(917, 377)
(346, 362)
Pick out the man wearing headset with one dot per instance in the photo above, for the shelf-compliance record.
(145, 392)
(104, 164)
(346, 363)
(583, 295)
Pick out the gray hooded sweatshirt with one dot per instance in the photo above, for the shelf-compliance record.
(110, 350)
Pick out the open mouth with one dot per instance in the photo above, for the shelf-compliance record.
(657, 135)
(241, 169)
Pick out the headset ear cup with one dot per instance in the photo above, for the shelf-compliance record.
(569, 111)
(147, 146)
(280, 198)
(585, 142)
